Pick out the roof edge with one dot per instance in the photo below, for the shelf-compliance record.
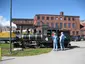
(57, 15)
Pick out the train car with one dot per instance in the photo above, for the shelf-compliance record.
(5, 36)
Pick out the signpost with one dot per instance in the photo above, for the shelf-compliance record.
(10, 26)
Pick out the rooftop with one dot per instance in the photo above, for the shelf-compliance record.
(83, 23)
(61, 14)
(23, 19)
(56, 15)
(83, 28)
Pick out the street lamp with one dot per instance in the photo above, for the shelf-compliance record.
(10, 26)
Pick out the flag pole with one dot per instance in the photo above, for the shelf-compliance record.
(10, 26)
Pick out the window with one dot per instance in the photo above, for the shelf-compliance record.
(42, 22)
(47, 18)
(69, 18)
(42, 18)
(56, 25)
(52, 25)
(38, 17)
(64, 25)
(52, 18)
(73, 25)
(60, 25)
(60, 18)
(38, 23)
(56, 18)
(73, 19)
(17, 26)
(69, 25)
(77, 32)
(64, 18)
(73, 32)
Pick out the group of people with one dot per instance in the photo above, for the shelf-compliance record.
(55, 41)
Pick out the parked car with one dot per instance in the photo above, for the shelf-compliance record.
(76, 38)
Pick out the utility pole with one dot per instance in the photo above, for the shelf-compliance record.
(10, 26)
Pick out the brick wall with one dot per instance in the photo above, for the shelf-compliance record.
(64, 20)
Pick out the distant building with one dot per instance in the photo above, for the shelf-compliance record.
(0, 28)
(82, 21)
(23, 23)
(6, 28)
(62, 22)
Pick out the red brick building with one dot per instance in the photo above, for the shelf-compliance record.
(82, 30)
(62, 22)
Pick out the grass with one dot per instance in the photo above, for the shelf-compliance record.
(25, 52)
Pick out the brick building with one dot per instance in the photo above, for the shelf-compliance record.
(23, 23)
(82, 30)
(62, 22)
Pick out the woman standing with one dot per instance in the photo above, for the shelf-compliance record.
(55, 41)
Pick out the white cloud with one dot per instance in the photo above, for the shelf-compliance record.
(4, 22)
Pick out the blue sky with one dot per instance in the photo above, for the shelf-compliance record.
(28, 8)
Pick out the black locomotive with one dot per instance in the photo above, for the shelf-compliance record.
(43, 39)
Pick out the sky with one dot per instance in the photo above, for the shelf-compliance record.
(29, 8)
(4, 22)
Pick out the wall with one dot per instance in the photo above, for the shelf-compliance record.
(51, 20)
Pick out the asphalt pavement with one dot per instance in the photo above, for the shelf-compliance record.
(74, 55)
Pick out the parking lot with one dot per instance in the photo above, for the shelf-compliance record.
(74, 55)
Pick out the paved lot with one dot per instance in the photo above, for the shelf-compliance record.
(75, 55)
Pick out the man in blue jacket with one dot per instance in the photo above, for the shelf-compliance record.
(62, 38)
(55, 43)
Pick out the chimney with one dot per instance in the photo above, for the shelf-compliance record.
(62, 13)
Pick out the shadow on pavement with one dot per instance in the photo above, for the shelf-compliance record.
(72, 47)
(8, 59)
(82, 47)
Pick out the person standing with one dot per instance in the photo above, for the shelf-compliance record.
(55, 43)
(62, 38)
